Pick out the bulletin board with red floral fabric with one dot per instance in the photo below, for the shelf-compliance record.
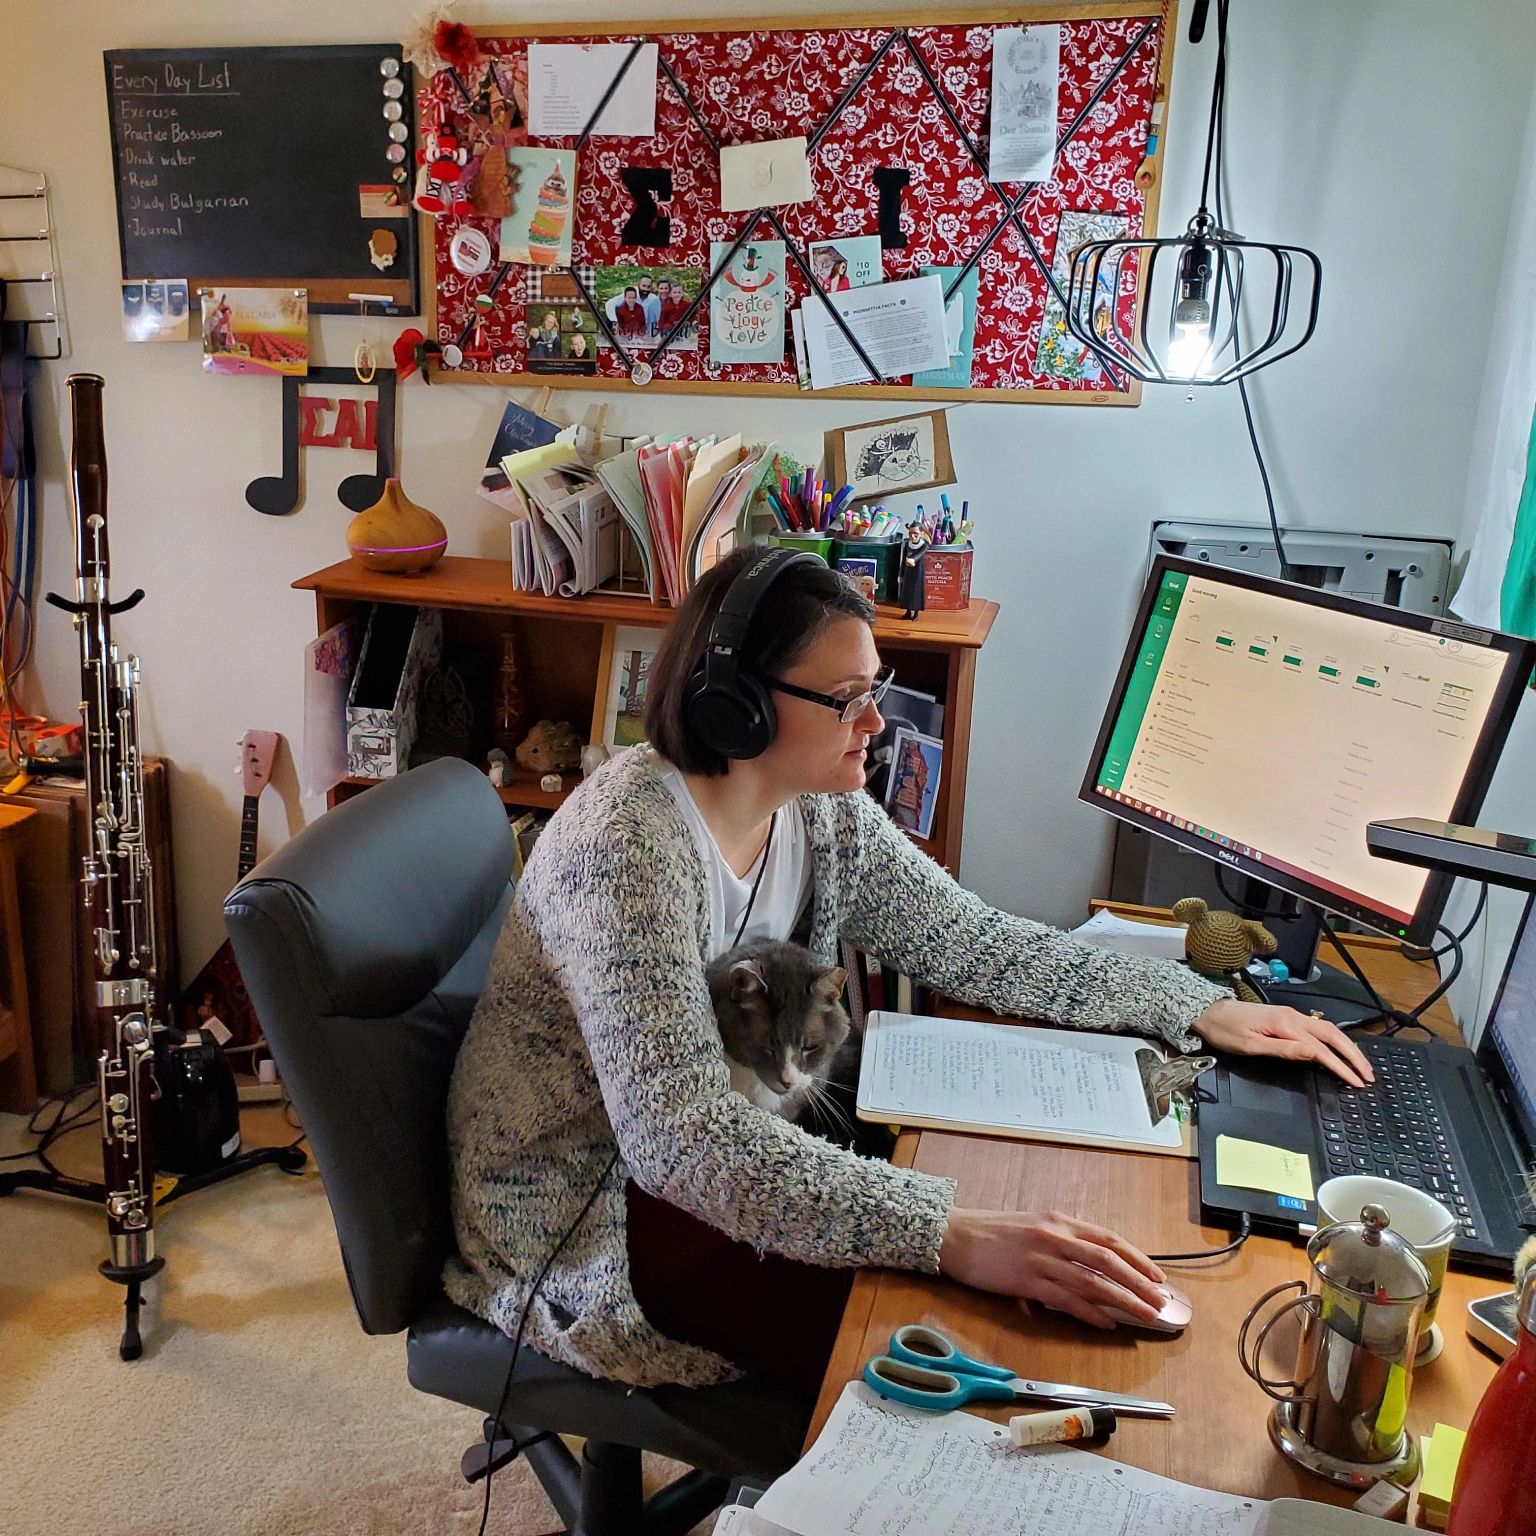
(721, 84)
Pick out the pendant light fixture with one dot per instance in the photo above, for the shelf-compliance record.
(1200, 292)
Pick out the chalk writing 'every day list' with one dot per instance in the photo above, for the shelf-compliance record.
(155, 142)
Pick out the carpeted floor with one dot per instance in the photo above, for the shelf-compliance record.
(259, 1407)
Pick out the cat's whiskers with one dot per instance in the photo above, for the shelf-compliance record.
(819, 1097)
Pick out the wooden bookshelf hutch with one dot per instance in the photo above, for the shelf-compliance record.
(560, 643)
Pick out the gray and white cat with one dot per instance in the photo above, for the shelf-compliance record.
(781, 1022)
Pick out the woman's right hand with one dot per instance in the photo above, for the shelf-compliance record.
(1050, 1258)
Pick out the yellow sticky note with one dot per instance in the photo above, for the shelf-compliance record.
(1257, 1165)
(1442, 1455)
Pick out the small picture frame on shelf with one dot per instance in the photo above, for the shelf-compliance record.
(912, 789)
(623, 677)
(884, 458)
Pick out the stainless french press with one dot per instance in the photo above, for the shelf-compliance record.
(1343, 1413)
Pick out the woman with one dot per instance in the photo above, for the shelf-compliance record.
(593, 1065)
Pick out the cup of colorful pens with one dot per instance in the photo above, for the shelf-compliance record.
(865, 550)
(805, 507)
(944, 528)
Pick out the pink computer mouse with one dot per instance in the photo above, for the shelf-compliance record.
(1174, 1317)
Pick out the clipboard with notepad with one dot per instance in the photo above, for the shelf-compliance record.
(989, 1077)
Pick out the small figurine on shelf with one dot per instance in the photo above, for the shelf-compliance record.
(499, 771)
(914, 554)
(1219, 945)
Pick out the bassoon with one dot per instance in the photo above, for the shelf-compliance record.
(117, 878)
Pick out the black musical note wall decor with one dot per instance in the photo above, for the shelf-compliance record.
(278, 495)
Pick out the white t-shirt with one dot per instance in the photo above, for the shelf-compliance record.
(786, 882)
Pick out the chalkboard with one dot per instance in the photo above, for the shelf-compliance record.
(266, 166)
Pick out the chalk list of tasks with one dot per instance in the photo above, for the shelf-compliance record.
(260, 165)
(173, 123)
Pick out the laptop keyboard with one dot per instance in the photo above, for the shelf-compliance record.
(1393, 1129)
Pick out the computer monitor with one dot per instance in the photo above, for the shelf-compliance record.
(1264, 724)
(1507, 1050)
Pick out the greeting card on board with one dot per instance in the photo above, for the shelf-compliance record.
(538, 230)
(746, 305)
(960, 331)
(1058, 355)
(766, 175)
(255, 330)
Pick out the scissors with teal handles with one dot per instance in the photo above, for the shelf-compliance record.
(924, 1370)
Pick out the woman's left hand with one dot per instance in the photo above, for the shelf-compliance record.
(1262, 1029)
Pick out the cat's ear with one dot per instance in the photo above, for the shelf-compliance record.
(746, 980)
(828, 984)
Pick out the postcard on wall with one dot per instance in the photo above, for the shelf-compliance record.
(567, 81)
(746, 304)
(1058, 354)
(854, 261)
(912, 791)
(538, 230)
(959, 328)
(155, 309)
(255, 330)
(880, 458)
(644, 303)
(1026, 68)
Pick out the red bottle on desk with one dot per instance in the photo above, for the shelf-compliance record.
(1496, 1481)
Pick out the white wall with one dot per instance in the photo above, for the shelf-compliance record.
(1384, 133)
(1509, 805)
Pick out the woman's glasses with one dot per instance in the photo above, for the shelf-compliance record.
(848, 710)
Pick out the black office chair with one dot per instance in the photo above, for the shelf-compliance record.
(364, 944)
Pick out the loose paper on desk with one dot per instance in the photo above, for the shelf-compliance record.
(878, 1467)
(1026, 65)
(1162, 941)
(567, 80)
(1258, 1165)
(900, 326)
(1064, 1084)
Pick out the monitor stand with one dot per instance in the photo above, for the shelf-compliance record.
(1314, 987)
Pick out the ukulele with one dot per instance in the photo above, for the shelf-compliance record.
(218, 993)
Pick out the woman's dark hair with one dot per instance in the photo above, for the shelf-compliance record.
(802, 601)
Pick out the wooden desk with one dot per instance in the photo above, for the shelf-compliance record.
(1219, 1438)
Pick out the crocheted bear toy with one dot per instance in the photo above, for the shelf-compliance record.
(1219, 945)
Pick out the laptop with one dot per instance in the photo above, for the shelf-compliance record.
(1457, 1123)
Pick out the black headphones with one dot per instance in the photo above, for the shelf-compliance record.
(726, 709)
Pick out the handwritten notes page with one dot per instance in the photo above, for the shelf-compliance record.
(879, 1468)
(1008, 1077)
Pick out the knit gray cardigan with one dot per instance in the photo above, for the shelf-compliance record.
(595, 1032)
